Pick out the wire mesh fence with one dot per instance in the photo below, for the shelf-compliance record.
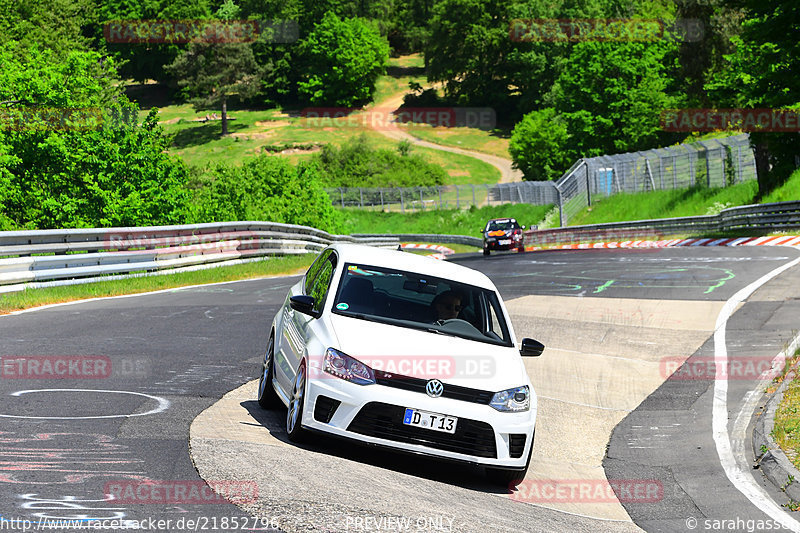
(443, 196)
(713, 163)
(405, 199)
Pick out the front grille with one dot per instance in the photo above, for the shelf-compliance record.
(516, 444)
(324, 408)
(385, 421)
(455, 392)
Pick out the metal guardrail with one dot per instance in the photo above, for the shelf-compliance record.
(427, 237)
(761, 217)
(35, 258)
(32, 257)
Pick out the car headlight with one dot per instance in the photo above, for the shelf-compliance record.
(512, 400)
(347, 368)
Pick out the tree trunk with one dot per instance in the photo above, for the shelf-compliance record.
(224, 116)
(763, 168)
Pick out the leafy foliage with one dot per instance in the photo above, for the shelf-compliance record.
(210, 72)
(78, 173)
(144, 61)
(540, 145)
(357, 164)
(762, 73)
(341, 60)
(264, 188)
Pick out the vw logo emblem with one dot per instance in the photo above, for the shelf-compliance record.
(434, 388)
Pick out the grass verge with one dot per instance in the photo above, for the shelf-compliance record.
(445, 221)
(682, 202)
(786, 431)
(273, 266)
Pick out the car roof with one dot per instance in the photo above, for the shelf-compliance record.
(393, 258)
(506, 219)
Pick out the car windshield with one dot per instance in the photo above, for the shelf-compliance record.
(413, 300)
(504, 225)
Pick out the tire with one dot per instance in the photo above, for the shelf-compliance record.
(507, 477)
(267, 397)
(294, 414)
(486, 251)
(521, 249)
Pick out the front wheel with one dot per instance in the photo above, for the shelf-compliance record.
(294, 415)
(267, 397)
(486, 251)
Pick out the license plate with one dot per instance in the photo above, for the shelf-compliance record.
(505, 241)
(426, 420)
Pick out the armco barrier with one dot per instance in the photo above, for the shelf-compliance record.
(28, 258)
(427, 237)
(760, 217)
(34, 258)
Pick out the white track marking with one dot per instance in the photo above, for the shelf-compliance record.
(134, 295)
(163, 404)
(737, 472)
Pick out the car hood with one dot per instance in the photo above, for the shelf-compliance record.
(427, 355)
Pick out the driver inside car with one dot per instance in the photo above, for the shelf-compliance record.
(446, 306)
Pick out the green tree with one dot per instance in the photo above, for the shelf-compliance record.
(143, 61)
(539, 145)
(762, 73)
(211, 73)
(264, 188)
(708, 29)
(56, 25)
(341, 61)
(99, 167)
(611, 95)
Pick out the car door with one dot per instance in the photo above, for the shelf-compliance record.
(296, 325)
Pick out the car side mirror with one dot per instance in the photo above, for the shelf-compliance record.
(531, 348)
(302, 303)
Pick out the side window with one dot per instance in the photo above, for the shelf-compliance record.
(313, 271)
(318, 289)
(496, 323)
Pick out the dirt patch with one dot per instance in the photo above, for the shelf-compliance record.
(272, 123)
(253, 135)
(170, 121)
(458, 173)
(290, 151)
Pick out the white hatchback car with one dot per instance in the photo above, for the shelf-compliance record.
(399, 350)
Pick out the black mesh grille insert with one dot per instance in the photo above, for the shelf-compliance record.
(454, 392)
(516, 444)
(385, 421)
(325, 408)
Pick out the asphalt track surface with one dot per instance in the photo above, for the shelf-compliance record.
(171, 355)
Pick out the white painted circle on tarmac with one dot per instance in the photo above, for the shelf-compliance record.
(163, 404)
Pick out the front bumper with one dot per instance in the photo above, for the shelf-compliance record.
(512, 244)
(373, 414)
